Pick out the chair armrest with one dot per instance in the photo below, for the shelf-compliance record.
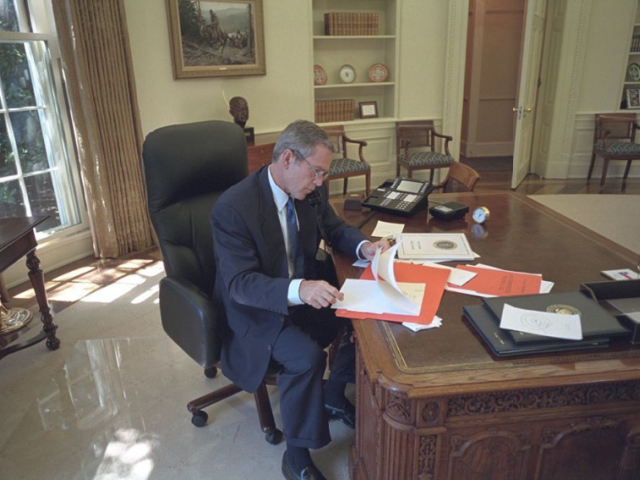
(361, 144)
(192, 319)
(447, 139)
(350, 140)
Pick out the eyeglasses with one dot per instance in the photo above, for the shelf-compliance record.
(317, 173)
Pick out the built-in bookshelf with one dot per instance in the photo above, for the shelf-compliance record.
(631, 87)
(331, 52)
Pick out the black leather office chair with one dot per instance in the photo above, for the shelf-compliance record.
(187, 167)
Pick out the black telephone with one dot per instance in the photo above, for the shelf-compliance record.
(400, 196)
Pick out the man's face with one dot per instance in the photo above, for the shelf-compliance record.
(300, 176)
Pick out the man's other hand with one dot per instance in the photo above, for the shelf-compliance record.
(318, 293)
(368, 249)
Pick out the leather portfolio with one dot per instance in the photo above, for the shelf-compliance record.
(595, 320)
(502, 345)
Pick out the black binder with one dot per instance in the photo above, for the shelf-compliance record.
(502, 345)
(595, 320)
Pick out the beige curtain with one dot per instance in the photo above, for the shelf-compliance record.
(99, 76)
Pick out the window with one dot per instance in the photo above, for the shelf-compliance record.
(36, 174)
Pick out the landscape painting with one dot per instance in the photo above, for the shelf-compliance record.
(212, 38)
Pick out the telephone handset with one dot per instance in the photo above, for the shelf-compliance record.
(314, 199)
(400, 196)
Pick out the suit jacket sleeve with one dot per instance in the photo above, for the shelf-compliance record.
(244, 265)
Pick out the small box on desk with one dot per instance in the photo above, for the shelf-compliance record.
(449, 211)
(615, 294)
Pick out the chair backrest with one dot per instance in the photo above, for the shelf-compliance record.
(418, 132)
(615, 126)
(336, 135)
(461, 178)
(187, 167)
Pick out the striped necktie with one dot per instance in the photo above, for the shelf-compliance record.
(295, 248)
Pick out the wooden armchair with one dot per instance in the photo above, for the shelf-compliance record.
(614, 138)
(460, 178)
(415, 146)
(342, 166)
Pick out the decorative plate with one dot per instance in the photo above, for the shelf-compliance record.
(634, 72)
(347, 73)
(319, 75)
(378, 72)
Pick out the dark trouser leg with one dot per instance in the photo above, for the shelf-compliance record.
(300, 386)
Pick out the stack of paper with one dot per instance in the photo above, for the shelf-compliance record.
(398, 292)
(436, 247)
(495, 282)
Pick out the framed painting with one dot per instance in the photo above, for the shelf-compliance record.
(211, 38)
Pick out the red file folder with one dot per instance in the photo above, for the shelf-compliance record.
(502, 283)
(434, 279)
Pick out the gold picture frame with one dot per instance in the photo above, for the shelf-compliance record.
(211, 38)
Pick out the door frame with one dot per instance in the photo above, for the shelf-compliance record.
(569, 79)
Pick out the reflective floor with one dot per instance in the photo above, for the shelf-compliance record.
(111, 402)
(117, 410)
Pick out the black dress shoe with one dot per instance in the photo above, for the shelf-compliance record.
(308, 473)
(346, 414)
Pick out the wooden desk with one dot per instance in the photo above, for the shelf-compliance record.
(17, 239)
(437, 405)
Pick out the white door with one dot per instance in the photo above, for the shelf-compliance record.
(528, 88)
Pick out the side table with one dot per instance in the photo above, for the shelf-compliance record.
(18, 239)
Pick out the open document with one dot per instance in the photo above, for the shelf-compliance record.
(398, 292)
(383, 294)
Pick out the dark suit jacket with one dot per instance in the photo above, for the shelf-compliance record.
(252, 277)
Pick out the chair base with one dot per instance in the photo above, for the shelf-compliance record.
(263, 405)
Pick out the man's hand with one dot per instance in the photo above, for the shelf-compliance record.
(318, 293)
(368, 249)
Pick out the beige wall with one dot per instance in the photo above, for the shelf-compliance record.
(607, 50)
(286, 92)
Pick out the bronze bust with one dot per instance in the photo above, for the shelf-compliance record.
(239, 110)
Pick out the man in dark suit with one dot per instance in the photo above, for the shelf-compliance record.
(266, 235)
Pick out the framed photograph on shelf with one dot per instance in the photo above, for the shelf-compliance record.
(368, 109)
(633, 97)
(212, 38)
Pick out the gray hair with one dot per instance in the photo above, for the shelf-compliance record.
(301, 136)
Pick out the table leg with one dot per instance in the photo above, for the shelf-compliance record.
(37, 280)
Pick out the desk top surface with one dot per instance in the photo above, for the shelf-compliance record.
(11, 229)
(521, 235)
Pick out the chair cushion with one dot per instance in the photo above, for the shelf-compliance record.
(426, 158)
(619, 148)
(346, 165)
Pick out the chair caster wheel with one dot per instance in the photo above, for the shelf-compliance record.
(210, 372)
(274, 438)
(199, 418)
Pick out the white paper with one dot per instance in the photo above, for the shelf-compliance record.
(416, 327)
(387, 229)
(436, 247)
(374, 296)
(383, 294)
(361, 263)
(556, 325)
(457, 276)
